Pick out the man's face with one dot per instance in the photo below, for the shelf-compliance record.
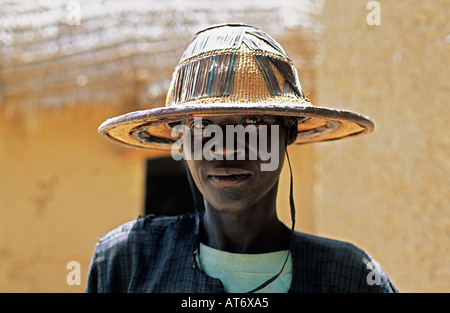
(227, 181)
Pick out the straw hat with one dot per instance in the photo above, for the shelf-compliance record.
(233, 69)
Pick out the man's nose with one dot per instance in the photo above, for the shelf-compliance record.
(231, 148)
(225, 153)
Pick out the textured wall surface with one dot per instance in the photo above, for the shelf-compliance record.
(62, 186)
(389, 192)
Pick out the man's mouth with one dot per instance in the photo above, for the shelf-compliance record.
(228, 177)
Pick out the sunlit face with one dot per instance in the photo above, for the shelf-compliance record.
(233, 185)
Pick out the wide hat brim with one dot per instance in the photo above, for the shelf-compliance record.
(150, 129)
(233, 69)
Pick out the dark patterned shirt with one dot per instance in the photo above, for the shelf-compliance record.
(157, 254)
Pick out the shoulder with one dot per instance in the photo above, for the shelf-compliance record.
(148, 227)
(327, 247)
(121, 252)
(342, 265)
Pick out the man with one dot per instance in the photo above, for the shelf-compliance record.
(233, 107)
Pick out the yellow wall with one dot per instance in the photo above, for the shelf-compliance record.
(302, 161)
(62, 186)
(389, 192)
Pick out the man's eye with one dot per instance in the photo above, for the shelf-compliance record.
(198, 125)
(252, 120)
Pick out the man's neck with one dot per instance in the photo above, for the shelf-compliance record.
(250, 230)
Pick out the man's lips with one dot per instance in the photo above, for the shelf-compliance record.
(228, 176)
(228, 171)
(229, 180)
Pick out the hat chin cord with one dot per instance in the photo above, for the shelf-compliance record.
(292, 207)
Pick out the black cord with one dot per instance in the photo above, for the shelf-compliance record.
(197, 215)
(292, 205)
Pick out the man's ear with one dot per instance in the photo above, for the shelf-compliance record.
(292, 132)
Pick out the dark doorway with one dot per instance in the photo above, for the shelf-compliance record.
(167, 188)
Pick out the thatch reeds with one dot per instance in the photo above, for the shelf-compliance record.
(55, 54)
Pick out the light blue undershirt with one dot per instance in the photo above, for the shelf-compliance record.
(244, 272)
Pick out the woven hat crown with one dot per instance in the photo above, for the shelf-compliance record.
(233, 64)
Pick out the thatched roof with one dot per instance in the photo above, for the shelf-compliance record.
(122, 52)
